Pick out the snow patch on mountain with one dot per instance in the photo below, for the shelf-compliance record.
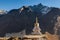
(3, 12)
(45, 10)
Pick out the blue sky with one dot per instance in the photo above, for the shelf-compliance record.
(14, 4)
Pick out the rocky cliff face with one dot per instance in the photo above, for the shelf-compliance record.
(23, 18)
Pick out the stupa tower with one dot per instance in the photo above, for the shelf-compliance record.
(36, 29)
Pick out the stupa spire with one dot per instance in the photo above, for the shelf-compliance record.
(36, 20)
(36, 29)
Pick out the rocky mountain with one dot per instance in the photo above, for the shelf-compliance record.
(22, 18)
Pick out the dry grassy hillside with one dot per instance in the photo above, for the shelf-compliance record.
(51, 37)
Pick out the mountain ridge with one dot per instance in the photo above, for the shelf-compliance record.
(23, 18)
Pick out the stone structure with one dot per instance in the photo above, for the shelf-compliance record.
(36, 29)
(36, 34)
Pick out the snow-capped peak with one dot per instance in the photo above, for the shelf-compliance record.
(3, 12)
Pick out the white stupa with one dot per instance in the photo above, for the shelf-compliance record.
(36, 29)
